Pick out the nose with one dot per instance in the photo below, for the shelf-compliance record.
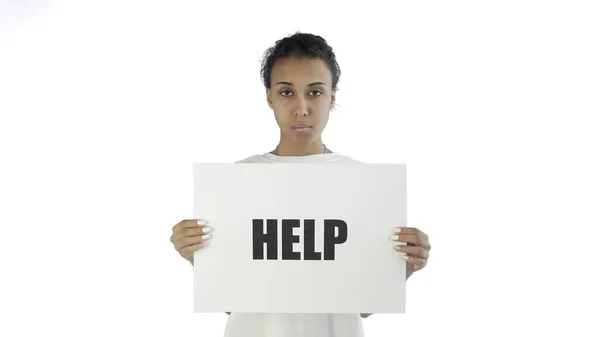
(301, 108)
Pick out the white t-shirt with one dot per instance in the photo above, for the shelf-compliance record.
(295, 325)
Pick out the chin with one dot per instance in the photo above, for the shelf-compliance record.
(304, 138)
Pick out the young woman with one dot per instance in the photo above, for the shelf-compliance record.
(300, 74)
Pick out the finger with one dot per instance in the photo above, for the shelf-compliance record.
(190, 250)
(410, 230)
(191, 240)
(413, 239)
(180, 229)
(424, 239)
(415, 251)
(189, 223)
(192, 231)
(417, 263)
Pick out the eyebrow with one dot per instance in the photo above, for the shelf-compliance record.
(310, 85)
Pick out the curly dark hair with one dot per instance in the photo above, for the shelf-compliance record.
(300, 45)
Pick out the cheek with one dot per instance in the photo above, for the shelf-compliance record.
(321, 111)
(281, 107)
(281, 115)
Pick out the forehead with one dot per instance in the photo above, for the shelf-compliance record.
(300, 71)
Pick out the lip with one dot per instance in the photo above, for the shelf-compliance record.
(301, 126)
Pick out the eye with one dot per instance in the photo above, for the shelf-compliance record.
(285, 92)
(316, 93)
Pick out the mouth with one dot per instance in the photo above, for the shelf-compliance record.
(301, 127)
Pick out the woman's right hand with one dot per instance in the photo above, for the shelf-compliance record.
(189, 236)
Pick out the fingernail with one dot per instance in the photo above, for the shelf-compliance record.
(206, 229)
(205, 237)
(201, 222)
(405, 257)
(395, 237)
(399, 252)
(397, 230)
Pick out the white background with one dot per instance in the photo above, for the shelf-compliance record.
(493, 106)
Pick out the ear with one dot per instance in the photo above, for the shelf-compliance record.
(332, 100)
(269, 98)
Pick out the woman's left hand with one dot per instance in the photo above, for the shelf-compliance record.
(416, 247)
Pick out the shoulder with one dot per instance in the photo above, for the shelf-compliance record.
(347, 160)
(333, 158)
(256, 158)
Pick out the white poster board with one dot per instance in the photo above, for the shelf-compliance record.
(352, 208)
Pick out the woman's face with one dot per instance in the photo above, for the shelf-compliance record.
(301, 96)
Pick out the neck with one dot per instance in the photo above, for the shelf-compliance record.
(286, 149)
